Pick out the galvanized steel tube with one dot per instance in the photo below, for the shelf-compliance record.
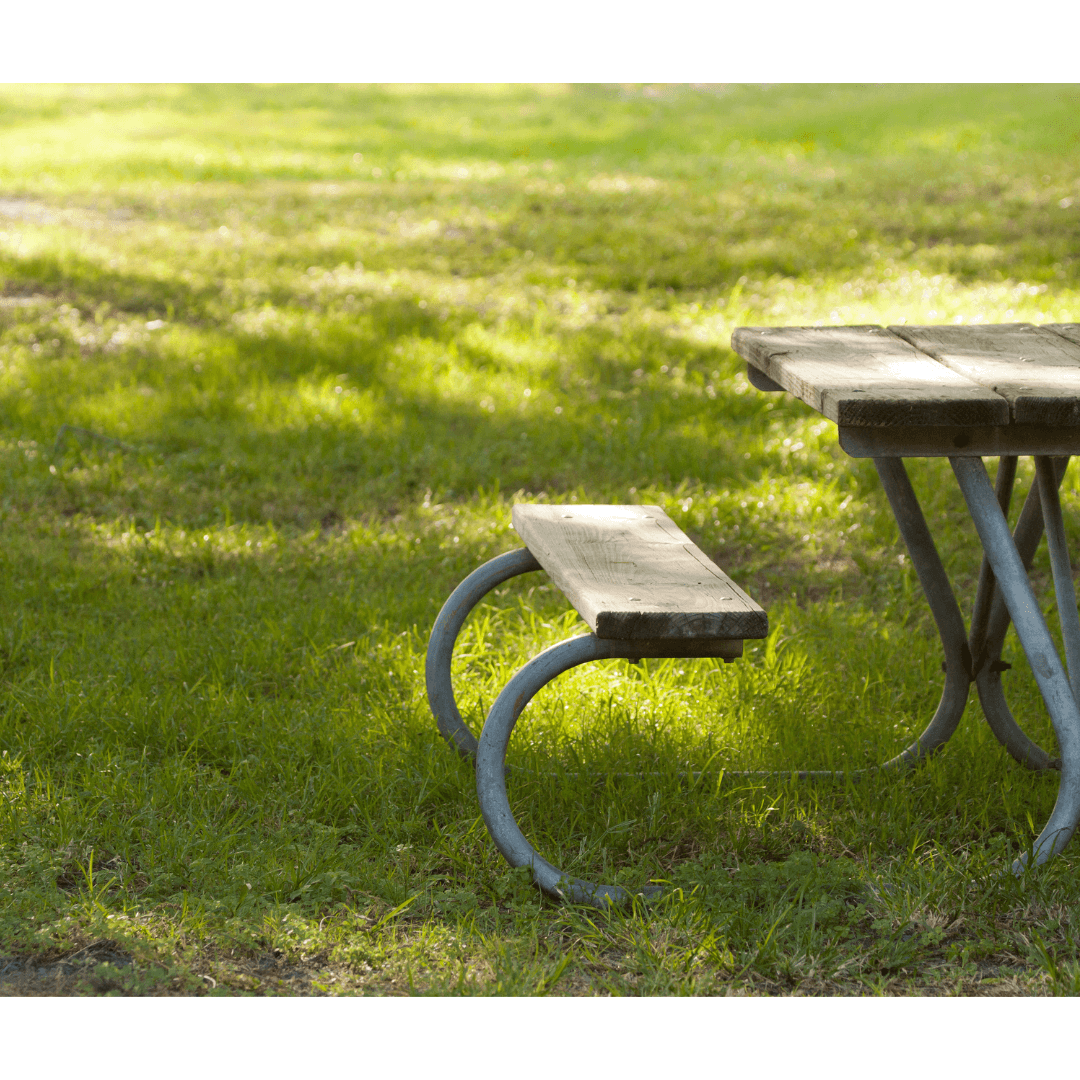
(440, 651)
(984, 594)
(1038, 645)
(999, 717)
(490, 766)
(943, 606)
(1060, 564)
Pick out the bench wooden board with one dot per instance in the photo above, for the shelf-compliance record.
(633, 574)
(865, 376)
(1035, 369)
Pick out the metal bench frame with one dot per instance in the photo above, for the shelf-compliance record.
(1003, 593)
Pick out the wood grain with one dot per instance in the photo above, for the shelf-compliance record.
(1069, 331)
(864, 376)
(633, 574)
(1035, 369)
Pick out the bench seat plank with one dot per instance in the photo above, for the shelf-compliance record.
(864, 376)
(1035, 369)
(633, 574)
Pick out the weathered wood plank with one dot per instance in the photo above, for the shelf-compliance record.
(1035, 369)
(1019, 440)
(633, 574)
(863, 376)
(1070, 331)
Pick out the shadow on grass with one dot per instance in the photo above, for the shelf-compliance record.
(622, 421)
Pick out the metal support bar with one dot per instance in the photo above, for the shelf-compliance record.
(1034, 636)
(984, 594)
(490, 769)
(1026, 536)
(1028, 533)
(943, 606)
(440, 651)
(1060, 564)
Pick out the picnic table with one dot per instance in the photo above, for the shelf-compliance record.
(965, 393)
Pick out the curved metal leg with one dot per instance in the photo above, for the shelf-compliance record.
(1064, 589)
(984, 595)
(1038, 645)
(990, 623)
(440, 651)
(943, 606)
(491, 758)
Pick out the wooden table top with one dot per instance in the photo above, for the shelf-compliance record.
(929, 390)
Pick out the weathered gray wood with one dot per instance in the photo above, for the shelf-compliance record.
(633, 574)
(1036, 370)
(1020, 440)
(863, 376)
(1070, 331)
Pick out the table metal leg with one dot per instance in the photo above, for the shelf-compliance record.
(980, 653)
(943, 606)
(1060, 564)
(1012, 581)
(984, 595)
(990, 623)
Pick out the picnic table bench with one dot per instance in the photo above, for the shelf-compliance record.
(962, 392)
(644, 588)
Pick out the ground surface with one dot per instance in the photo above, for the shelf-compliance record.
(274, 366)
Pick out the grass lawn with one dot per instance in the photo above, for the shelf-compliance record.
(274, 365)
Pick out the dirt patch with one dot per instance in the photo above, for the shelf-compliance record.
(75, 974)
(103, 969)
